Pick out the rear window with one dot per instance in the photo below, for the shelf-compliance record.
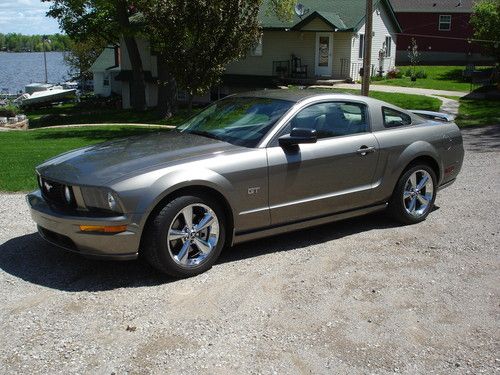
(393, 118)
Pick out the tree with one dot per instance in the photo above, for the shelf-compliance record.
(81, 56)
(107, 20)
(194, 40)
(485, 21)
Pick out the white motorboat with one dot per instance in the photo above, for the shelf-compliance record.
(43, 93)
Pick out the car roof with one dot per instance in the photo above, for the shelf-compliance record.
(297, 95)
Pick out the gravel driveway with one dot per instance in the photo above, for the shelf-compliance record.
(360, 296)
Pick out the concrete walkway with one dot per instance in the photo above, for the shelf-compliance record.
(402, 90)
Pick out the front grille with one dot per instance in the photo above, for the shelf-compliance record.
(53, 192)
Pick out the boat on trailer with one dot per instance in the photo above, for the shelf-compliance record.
(42, 93)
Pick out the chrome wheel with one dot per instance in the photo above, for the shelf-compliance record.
(418, 193)
(192, 235)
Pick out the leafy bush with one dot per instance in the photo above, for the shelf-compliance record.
(8, 111)
(394, 73)
(421, 74)
(408, 72)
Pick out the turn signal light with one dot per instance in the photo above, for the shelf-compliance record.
(103, 228)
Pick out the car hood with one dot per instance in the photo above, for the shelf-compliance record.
(102, 163)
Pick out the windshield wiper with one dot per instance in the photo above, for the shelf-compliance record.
(205, 134)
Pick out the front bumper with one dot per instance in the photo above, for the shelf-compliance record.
(63, 230)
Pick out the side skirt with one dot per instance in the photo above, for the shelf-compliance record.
(240, 237)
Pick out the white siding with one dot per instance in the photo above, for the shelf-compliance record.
(277, 46)
(149, 63)
(280, 45)
(382, 27)
(342, 54)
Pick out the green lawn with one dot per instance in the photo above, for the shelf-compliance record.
(438, 78)
(21, 151)
(478, 113)
(71, 113)
(407, 101)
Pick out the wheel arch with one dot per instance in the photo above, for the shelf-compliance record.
(427, 160)
(195, 189)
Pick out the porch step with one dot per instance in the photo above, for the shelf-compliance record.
(311, 81)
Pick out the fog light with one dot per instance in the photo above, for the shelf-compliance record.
(103, 228)
(67, 194)
(111, 202)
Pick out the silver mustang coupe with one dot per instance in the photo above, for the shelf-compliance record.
(248, 166)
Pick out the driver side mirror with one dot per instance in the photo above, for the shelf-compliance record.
(298, 136)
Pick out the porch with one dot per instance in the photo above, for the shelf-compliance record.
(301, 56)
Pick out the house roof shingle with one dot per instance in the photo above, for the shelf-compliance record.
(432, 6)
(343, 15)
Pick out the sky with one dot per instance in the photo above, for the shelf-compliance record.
(26, 17)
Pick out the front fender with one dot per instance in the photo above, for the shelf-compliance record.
(178, 179)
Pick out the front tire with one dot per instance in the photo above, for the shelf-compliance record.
(414, 195)
(186, 236)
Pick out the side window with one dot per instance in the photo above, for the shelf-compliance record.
(393, 118)
(332, 119)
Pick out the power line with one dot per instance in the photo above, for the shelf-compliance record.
(450, 38)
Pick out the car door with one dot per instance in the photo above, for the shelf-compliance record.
(334, 174)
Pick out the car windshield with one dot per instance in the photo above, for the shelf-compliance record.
(242, 121)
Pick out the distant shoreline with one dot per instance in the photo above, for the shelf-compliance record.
(33, 51)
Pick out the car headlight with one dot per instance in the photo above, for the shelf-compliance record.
(67, 194)
(111, 202)
(101, 199)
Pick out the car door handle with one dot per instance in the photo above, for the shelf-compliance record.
(363, 150)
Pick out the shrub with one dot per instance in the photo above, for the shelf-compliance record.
(394, 73)
(408, 72)
(421, 74)
(8, 111)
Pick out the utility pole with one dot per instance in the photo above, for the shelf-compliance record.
(367, 56)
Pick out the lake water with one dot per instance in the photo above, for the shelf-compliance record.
(19, 69)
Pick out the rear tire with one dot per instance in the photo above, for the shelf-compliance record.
(414, 195)
(186, 236)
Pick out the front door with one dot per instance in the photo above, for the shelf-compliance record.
(324, 54)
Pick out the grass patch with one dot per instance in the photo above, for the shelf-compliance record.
(72, 113)
(407, 101)
(438, 78)
(22, 151)
(480, 112)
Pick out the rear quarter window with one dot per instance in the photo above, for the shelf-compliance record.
(394, 119)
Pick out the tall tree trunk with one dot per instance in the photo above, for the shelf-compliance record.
(138, 83)
(167, 89)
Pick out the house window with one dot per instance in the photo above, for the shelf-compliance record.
(257, 50)
(444, 23)
(361, 45)
(388, 45)
(105, 81)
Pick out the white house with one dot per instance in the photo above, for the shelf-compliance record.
(327, 41)
(105, 70)
(324, 41)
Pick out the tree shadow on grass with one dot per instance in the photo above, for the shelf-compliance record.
(32, 259)
(455, 75)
